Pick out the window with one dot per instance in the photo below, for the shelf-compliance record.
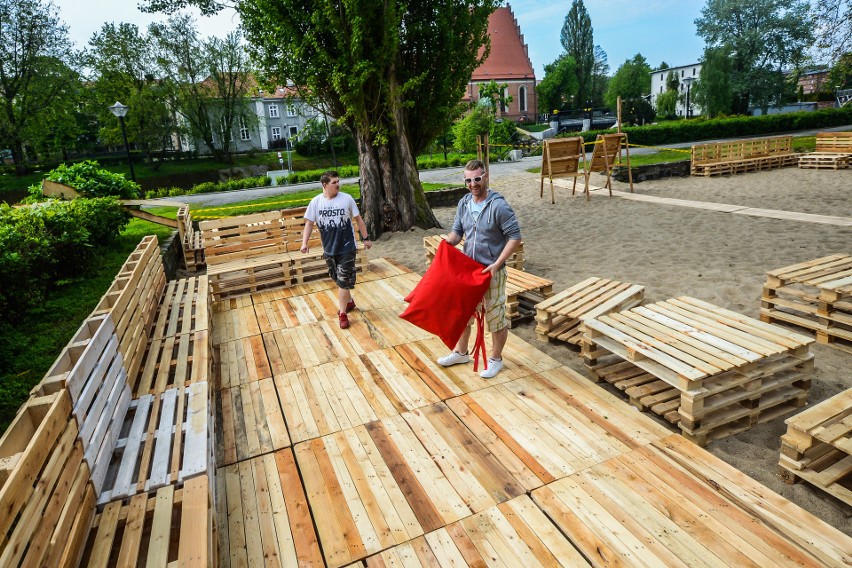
(522, 98)
(273, 110)
(505, 106)
(661, 76)
(291, 110)
(681, 72)
(693, 71)
(661, 88)
(294, 130)
(276, 133)
(244, 131)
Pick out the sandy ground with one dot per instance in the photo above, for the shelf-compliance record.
(718, 257)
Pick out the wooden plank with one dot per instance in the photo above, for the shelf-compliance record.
(173, 362)
(252, 420)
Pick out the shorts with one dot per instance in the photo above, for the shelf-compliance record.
(495, 302)
(341, 268)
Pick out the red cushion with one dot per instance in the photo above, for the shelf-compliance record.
(446, 297)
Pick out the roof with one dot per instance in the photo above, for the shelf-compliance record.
(508, 58)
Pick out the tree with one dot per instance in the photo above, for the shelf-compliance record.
(123, 68)
(61, 125)
(577, 39)
(840, 74)
(712, 92)
(764, 38)
(35, 55)
(631, 81)
(497, 94)
(600, 76)
(834, 19)
(392, 72)
(558, 84)
(207, 81)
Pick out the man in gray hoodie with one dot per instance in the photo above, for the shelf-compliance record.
(491, 234)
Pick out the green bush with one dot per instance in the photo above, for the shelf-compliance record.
(49, 241)
(90, 180)
(730, 127)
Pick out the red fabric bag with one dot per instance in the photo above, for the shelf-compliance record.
(448, 294)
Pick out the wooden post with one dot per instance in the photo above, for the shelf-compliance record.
(618, 113)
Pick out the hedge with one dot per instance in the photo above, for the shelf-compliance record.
(733, 127)
(49, 241)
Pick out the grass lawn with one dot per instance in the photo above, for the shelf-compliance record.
(31, 347)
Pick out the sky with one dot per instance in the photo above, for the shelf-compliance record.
(661, 30)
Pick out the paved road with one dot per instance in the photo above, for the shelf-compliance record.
(442, 175)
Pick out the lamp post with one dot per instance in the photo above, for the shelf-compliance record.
(120, 110)
(688, 82)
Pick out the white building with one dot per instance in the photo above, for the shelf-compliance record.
(687, 75)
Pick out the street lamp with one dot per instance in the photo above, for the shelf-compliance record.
(120, 110)
(688, 82)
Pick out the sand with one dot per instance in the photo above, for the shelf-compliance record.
(718, 257)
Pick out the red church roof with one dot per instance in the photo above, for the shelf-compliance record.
(508, 58)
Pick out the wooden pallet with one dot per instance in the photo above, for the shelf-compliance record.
(184, 308)
(559, 317)
(234, 318)
(516, 531)
(817, 447)
(263, 514)
(166, 440)
(173, 362)
(174, 526)
(190, 238)
(244, 276)
(343, 394)
(670, 503)
(816, 295)
(45, 495)
(825, 161)
(730, 371)
(91, 369)
(131, 301)
(249, 422)
(240, 362)
(523, 292)
(431, 243)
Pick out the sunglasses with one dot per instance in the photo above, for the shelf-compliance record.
(476, 179)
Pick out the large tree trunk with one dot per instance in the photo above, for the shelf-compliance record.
(391, 193)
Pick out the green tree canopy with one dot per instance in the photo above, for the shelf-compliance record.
(764, 37)
(558, 85)
(712, 92)
(833, 19)
(631, 81)
(578, 41)
(35, 55)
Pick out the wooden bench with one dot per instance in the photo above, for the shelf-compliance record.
(250, 253)
(86, 439)
(190, 238)
(559, 317)
(818, 446)
(431, 243)
(833, 152)
(740, 156)
(815, 295)
(708, 370)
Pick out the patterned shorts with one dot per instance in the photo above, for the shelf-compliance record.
(341, 269)
(495, 302)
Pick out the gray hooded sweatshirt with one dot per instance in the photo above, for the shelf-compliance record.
(485, 238)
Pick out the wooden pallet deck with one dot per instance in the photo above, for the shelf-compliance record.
(815, 295)
(818, 447)
(395, 460)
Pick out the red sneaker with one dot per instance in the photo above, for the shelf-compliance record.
(344, 320)
(350, 305)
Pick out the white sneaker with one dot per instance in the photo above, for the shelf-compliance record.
(453, 358)
(494, 367)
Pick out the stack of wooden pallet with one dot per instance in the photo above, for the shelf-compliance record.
(711, 371)
(741, 156)
(250, 253)
(818, 446)
(816, 295)
(560, 316)
(833, 152)
(190, 238)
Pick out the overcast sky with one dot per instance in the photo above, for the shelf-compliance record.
(661, 30)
